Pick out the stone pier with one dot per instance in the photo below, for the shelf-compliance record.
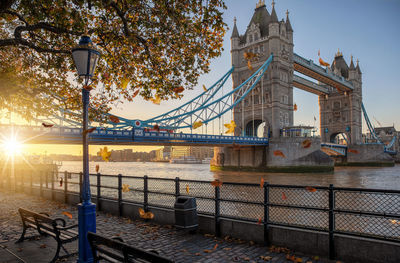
(282, 155)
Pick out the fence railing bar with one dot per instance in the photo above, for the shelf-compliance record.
(362, 213)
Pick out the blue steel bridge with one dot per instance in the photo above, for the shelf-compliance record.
(208, 108)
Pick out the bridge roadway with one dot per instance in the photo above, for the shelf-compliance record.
(67, 135)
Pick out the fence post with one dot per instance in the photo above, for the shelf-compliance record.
(177, 189)
(80, 186)
(217, 212)
(145, 193)
(66, 187)
(266, 214)
(120, 194)
(331, 222)
(98, 192)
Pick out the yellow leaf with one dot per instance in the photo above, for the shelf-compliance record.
(231, 127)
(187, 188)
(197, 124)
(105, 154)
(156, 100)
(249, 65)
(124, 84)
(204, 88)
(125, 188)
(145, 215)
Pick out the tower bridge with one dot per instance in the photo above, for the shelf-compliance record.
(264, 71)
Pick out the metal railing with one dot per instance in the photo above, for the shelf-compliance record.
(369, 213)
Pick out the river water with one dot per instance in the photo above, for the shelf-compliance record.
(363, 177)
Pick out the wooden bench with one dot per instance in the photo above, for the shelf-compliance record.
(47, 226)
(115, 250)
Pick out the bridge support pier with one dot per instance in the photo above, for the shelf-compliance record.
(282, 155)
(366, 155)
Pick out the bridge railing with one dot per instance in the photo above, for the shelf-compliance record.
(368, 213)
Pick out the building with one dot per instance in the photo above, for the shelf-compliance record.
(271, 101)
(198, 152)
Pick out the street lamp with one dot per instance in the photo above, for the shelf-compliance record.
(85, 57)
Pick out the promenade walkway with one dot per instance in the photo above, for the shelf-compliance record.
(170, 242)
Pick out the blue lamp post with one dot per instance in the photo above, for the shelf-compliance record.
(85, 57)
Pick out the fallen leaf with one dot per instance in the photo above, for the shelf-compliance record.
(249, 65)
(279, 153)
(284, 196)
(97, 168)
(216, 183)
(227, 248)
(125, 188)
(393, 221)
(246, 259)
(204, 88)
(230, 126)
(311, 189)
(262, 183)
(47, 125)
(68, 214)
(215, 247)
(114, 119)
(187, 189)
(145, 215)
(266, 258)
(43, 246)
(259, 221)
(207, 250)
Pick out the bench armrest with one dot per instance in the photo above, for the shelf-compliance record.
(67, 227)
(63, 223)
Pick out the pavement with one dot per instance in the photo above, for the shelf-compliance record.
(167, 240)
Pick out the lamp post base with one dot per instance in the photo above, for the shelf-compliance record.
(87, 222)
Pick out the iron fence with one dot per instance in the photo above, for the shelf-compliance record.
(370, 213)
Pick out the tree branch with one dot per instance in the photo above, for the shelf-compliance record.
(23, 42)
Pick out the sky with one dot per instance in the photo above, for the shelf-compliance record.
(367, 29)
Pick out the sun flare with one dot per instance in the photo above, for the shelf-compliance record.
(11, 146)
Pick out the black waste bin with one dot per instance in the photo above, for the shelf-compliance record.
(186, 213)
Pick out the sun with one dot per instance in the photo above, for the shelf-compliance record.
(11, 146)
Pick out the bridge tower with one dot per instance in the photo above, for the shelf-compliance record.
(272, 100)
(340, 112)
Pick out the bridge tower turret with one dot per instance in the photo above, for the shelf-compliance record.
(340, 111)
(271, 101)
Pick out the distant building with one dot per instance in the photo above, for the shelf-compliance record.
(198, 152)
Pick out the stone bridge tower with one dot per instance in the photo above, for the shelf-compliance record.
(272, 99)
(340, 112)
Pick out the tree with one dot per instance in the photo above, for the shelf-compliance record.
(152, 48)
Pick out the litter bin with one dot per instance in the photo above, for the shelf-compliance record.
(186, 213)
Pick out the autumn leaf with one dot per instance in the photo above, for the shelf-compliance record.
(207, 250)
(249, 65)
(311, 189)
(179, 89)
(215, 247)
(279, 153)
(204, 87)
(227, 248)
(197, 124)
(97, 168)
(124, 84)
(187, 189)
(156, 127)
(67, 214)
(47, 125)
(136, 93)
(306, 143)
(393, 221)
(43, 246)
(114, 119)
(262, 183)
(125, 188)
(61, 182)
(230, 126)
(266, 258)
(156, 100)
(259, 221)
(145, 215)
(216, 183)
(295, 107)
(284, 196)
(105, 154)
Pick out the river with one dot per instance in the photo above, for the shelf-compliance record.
(363, 177)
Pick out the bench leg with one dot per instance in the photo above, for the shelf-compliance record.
(57, 252)
(21, 239)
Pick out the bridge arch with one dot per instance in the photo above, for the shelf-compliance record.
(261, 128)
(339, 138)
